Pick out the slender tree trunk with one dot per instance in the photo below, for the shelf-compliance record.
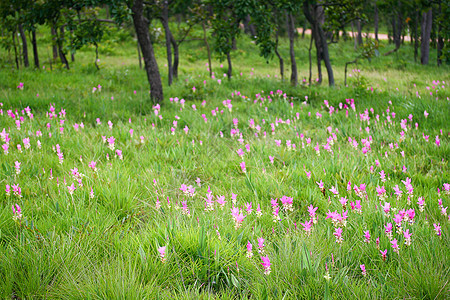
(233, 43)
(16, 56)
(426, 32)
(35, 49)
(139, 54)
(376, 21)
(165, 23)
(398, 38)
(359, 36)
(355, 45)
(318, 56)
(26, 62)
(141, 25)
(230, 67)
(291, 33)
(440, 42)
(96, 56)
(249, 28)
(61, 53)
(72, 53)
(54, 42)
(279, 56)
(304, 29)
(310, 59)
(416, 35)
(314, 13)
(205, 38)
(176, 55)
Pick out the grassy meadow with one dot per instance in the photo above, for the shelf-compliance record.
(246, 188)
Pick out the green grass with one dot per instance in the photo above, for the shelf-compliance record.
(106, 247)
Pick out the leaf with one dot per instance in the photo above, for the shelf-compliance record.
(235, 281)
(142, 255)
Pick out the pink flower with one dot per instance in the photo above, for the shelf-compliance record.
(93, 166)
(221, 201)
(338, 234)
(388, 230)
(249, 250)
(258, 211)
(343, 202)
(261, 245)
(308, 174)
(71, 189)
(242, 164)
(407, 236)
(307, 226)
(119, 154)
(17, 167)
(238, 217)
(162, 253)
(320, 184)
(111, 141)
(266, 264)
(383, 254)
(366, 236)
(248, 207)
(334, 190)
(287, 203)
(17, 212)
(395, 246)
(437, 229)
(312, 213)
(386, 208)
(363, 270)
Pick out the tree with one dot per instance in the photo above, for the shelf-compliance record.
(141, 25)
(425, 38)
(225, 23)
(313, 11)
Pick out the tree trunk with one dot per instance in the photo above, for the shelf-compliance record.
(16, 56)
(318, 55)
(205, 38)
(165, 23)
(291, 33)
(176, 55)
(26, 62)
(304, 29)
(96, 56)
(61, 53)
(314, 13)
(416, 35)
(54, 42)
(425, 38)
(72, 53)
(279, 56)
(230, 67)
(310, 59)
(398, 38)
(139, 54)
(355, 45)
(233, 43)
(35, 49)
(359, 36)
(249, 28)
(141, 25)
(440, 42)
(376, 21)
